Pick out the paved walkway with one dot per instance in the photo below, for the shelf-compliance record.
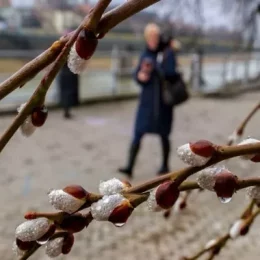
(91, 147)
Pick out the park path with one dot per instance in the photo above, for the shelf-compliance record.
(91, 147)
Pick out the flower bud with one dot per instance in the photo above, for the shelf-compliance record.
(67, 243)
(70, 199)
(73, 223)
(226, 184)
(39, 116)
(206, 177)
(114, 208)
(256, 158)
(33, 230)
(112, 186)
(82, 50)
(252, 157)
(54, 247)
(19, 247)
(238, 229)
(163, 197)
(49, 233)
(196, 154)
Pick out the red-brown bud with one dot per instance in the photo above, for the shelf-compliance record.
(203, 148)
(166, 194)
(86, 44)
(31, 215)
(73, 223)
(67, 243)
(226, 184)
(256, 158)
(121, 213)
(76, 191)
(24, 246)
(39, 116)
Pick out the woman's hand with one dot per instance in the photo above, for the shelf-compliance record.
(143, 76)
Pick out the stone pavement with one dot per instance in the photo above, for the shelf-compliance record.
(91, 147)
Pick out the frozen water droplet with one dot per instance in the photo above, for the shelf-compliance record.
(225, 200)
(42, 242)
(119, 224)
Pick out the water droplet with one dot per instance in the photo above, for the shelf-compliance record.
(119, 224)
(225, 200)
(42, 242)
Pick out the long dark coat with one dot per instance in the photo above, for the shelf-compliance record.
(68, 87)
(153, 116)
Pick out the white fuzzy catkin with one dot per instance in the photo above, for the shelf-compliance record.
(54, 247)
(234, 231)
(102, 209)
(61, 200)
(185, 153)
(27, 128)
(111, 186)
(75, 63)
(32, 230)
(152, 203)
(206, 178)
(248, 141)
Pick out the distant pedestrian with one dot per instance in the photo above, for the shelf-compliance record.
(153, 116)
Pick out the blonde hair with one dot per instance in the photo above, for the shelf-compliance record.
(150, 29)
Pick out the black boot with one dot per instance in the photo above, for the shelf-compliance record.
(128, 170)
(165, 154)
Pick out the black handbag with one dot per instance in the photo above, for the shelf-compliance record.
(175, 91)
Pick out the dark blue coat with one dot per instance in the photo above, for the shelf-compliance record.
(153, 116)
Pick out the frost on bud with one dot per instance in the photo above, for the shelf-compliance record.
(27, 128)
(59, 245)
(163, 197)
(239, 228)
(70, 199)
(206, 177)
(114, 208)
(252, 157)
(73, 223)
(39, 116)
(226, 184)
(196, 154)
(112, 186)
(33, 230)
(82, 51)
(253, 193)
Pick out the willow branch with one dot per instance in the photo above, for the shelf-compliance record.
(107, 22)
(240, 130)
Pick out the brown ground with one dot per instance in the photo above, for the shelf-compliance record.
(91, 147)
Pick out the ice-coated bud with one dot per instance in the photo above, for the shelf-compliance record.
(24, 246)
(256, 158)
(32, 230)
(54, 247)
(253, 192)
(70, 199)
(114, 208)
(237, 229)
(249, 156)
(67, 243)
(73, 223)
(210, 244)
(82, 51)
(163, 197)
(196, 154)
(39, 116)
(206, 177)
(112, 186)
(226, 184)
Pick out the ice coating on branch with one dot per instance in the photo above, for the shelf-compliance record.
(235, 230)
(32, 230)
(186, 154)
(75, 63)
(54, 247)
(102, 209)
(61, 200)
(27, 128)
(111, 186)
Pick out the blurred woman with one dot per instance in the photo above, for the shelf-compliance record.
(153, 115)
